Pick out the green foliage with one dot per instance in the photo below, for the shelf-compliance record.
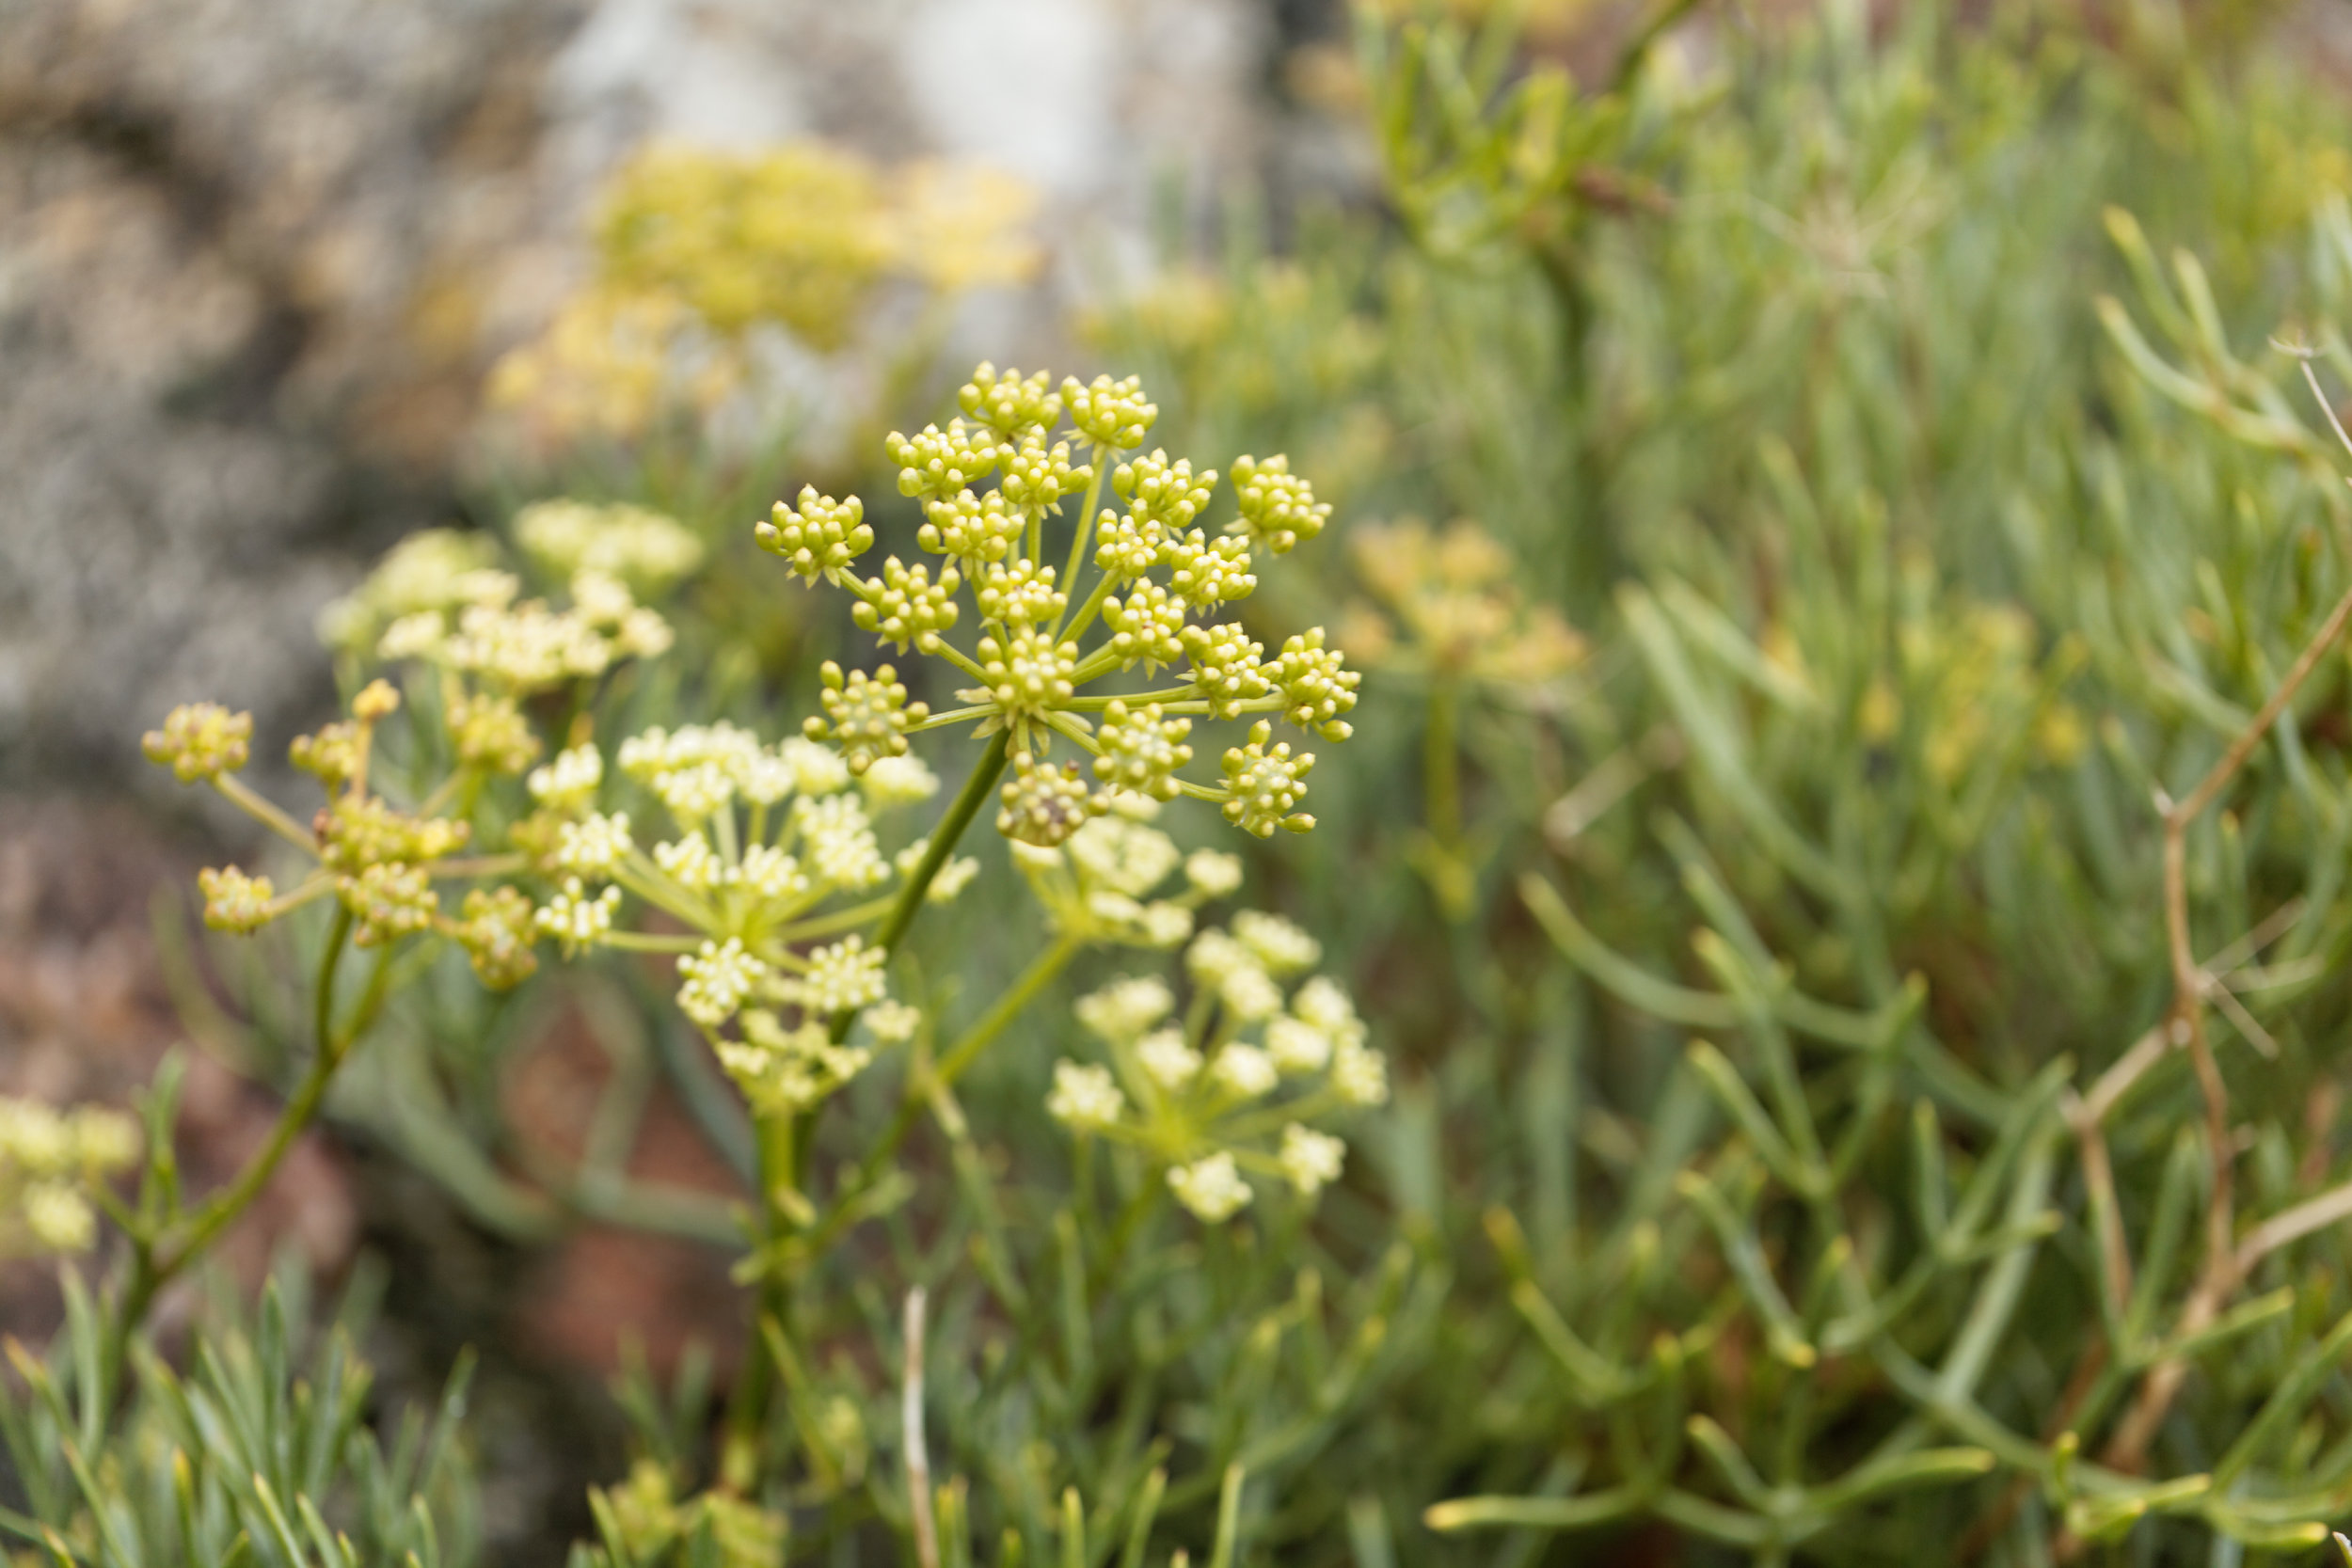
(265, 1453)
(1845, 850)
(1903, 593)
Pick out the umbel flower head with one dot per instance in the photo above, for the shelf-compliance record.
(1229, 1088)
(375, 858)
(1108, 631)
(200, 741)
(1452, 610)
(764, 846)
(1113, 878)
(49, 1161)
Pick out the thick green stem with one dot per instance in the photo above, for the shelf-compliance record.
(266, 812)
(993, 1023)
(1087, 611)
(943, 840)
(785, 1144)
(155, 1265)
(950, 1067)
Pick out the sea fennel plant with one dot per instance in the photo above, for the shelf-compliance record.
(768, 885)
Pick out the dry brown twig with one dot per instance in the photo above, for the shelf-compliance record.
(2226, 1261)
(918, 1456)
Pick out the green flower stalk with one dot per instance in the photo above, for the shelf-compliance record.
(1135, 584)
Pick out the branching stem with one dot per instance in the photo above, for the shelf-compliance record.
(2185, 1028)
(157, 1262)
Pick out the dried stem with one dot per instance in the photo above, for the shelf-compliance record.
(2225, 1261)
(2185, 1028)
(2292, 1226)
(919, 1457)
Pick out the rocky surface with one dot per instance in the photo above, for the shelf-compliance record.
(254, 259)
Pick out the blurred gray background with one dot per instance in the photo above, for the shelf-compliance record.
(256, 254)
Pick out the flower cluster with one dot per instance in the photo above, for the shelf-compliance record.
(443, 600)
(518, 649)
(48, 1161)
(377, 858)
(1100, 885)
(648, 551)
(436, 569)
(765, 842)
(1232, 1086)
(698, 249)
(1160, 594)
(200, 741)
(796, 235)
(1972, 690)
(609, 363)
(762, 863)
(1450, 609)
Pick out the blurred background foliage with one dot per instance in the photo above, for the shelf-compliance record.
(1813, 485)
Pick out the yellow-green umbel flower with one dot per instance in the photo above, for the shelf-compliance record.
(782, 1069)
(1039, 476)
(818, 538)
(1148, 586)
(1165, 491)
(575, 919)
(329, 755)
(865, 716)
(798, 235)
(1264, 784)
(491, 734)
(1085, 1100)
(1228, 1087)
(1129, 546)
(937, 462)
(1279, 508)
(1142, 750)
(643, 550)
(497, 930)
(1205, 572)
(388, 900)
(234, 901)
(904, 606)
(1043, 804)
(360, 832)
(976, 531)
(1459, 614)
(1009, 404)
(200, 741)
(1147, 626)
(845, 973)
(1028, 674)
(1225, 667)
(1315, 685)
(1020, 594)
(1110, 413)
